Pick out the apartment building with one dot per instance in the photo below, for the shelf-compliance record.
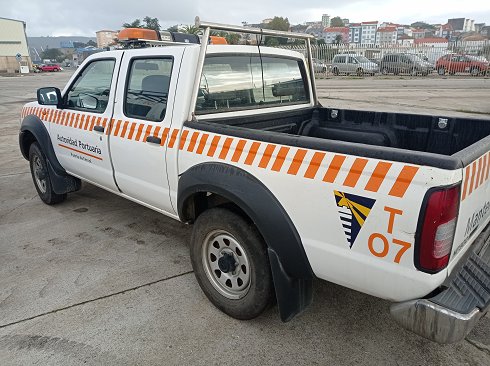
(386, 35)
(336, 35)
(368, 32)
(355, 32)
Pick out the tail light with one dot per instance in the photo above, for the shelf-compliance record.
(437, 232)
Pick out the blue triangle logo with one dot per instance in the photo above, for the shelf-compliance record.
(353, 211)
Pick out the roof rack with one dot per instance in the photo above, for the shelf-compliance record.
(207, 26)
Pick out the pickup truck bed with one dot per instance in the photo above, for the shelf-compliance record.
(413, 132)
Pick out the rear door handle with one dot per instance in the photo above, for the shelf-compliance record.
(153, 140)
(99, 128)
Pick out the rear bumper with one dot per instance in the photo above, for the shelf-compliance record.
(450, 315)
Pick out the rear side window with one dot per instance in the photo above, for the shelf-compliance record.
(90, 91)
(238, 82)
(340, 59)
(147, 88)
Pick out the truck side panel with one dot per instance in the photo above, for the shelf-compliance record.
(357, 217)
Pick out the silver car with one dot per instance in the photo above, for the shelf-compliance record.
(353, 64)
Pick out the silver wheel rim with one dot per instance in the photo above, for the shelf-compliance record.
(233, 284)
(38, 168)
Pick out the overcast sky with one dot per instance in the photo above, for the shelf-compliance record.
(83, 18)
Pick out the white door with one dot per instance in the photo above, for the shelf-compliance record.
(140, 131)
(79, 131)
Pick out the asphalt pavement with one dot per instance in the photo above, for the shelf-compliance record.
(101, 280)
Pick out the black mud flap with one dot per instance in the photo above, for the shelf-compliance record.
(293, 295)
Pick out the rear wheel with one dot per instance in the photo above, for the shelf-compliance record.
(230, 262)
(40, 176)
(384, 71)
(360, 72)
(475, 71)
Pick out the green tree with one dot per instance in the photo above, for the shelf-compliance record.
(53, 54)
(336, 22)
(91, 43)
(319, 41)
(152, 23)
(338, 39)
(134, 24)
(232, 38)
(173, 28)
(422, 25)
(280, 24)
(190, 29)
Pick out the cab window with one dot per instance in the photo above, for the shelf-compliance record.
(237, 82)
(147, 88)
(90, 91)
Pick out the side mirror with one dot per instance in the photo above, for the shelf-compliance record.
(49, 96)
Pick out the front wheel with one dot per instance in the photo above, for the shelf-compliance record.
(40, 176)
(441, 71)
(230, 262)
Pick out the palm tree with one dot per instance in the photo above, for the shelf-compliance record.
(191, 29)
(134, 24)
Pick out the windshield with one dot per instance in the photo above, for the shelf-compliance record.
(477, 58)
(362, 59)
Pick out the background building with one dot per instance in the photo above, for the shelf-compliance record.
(336, 35)
(368, 32)
(462, 24)
(105, 38)
(13, 41)
(326, 20)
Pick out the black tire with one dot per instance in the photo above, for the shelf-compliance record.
(335, 71)
(211, 230)
(441, 71)
(360, 72)
(475, 71)
(40, 176)
(384, 71)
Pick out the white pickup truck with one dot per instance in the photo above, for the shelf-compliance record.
(279, 189)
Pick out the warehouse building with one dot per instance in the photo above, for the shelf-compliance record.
(13, 46)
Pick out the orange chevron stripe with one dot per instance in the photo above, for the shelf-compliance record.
(183, 137)
(297, 161)
(252, 153)
(214, 145)
(280, 158)
(202, 143)
(225, 148)
(267, 155)
(466, 180)
(238, 150)
(403, 181)
(378, 176)
(334, 168)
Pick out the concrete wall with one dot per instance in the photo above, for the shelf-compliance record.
(12, 41)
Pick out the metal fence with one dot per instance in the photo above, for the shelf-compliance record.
(462, 58)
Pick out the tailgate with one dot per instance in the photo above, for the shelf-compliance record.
(474, 210)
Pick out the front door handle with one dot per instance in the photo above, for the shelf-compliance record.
(99, 128)
(153, 140)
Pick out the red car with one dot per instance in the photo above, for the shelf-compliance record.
(51, 67)
(452, 64)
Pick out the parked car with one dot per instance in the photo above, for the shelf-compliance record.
(319, 66)
(453, 63)
(405, 63)
(353, 64)
(50, 67)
